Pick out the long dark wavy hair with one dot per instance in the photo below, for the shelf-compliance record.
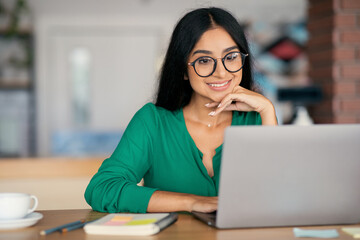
(173, 91)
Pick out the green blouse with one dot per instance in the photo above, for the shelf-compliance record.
(155, 146)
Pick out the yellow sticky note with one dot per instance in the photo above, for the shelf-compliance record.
(142, 221)
(121, 218)
(355, 232)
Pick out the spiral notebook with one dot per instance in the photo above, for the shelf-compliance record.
(131, 224)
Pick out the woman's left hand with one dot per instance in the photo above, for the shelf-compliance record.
(242, 99)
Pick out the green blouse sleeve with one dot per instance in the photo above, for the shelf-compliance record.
(258, 119)
(114, 187)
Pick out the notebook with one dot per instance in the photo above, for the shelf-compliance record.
(288, 176)
(131, 224)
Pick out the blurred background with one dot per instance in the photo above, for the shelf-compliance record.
(74, 72)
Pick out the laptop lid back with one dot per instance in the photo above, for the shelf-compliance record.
(289, 175)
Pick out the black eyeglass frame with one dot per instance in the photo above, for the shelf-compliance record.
(244, 55)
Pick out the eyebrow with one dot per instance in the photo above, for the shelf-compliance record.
(209, 52)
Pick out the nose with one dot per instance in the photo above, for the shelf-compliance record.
(220, 70)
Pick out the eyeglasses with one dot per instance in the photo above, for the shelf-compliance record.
(205, 66)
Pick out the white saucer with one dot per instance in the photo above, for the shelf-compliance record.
(27, 221)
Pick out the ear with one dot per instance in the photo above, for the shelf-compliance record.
(186, 76)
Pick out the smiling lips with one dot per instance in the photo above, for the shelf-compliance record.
(219, 86)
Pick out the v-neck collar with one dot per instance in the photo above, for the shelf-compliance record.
(182, 120)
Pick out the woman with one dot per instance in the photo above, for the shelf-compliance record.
(175, 145)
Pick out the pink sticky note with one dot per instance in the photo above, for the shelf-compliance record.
(115, 223)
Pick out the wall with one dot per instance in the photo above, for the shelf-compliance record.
(334, 57)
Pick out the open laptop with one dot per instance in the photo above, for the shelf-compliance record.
(288, 176)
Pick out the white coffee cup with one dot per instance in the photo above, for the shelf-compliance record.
(16, 205)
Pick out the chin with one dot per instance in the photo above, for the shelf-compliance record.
(220, 96)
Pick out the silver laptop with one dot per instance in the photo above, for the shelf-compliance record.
(288, 176)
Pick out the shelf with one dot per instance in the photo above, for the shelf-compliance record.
(17, 90)
(19, 32)
(14, 85)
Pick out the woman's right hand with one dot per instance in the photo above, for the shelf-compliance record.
(162, 201)
(204, 204)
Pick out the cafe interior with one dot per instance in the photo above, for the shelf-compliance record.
(71, 80)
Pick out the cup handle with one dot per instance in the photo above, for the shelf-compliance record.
(35, 204)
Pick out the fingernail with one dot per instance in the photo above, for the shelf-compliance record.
(212, 113)
(208, 104)
(219, 105)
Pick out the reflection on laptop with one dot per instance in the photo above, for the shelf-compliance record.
(288, 176)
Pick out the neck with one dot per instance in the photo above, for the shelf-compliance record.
(198, 112)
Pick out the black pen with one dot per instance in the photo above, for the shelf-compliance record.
(59, 228)
(75, 226)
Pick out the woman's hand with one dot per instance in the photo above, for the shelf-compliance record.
(204, 204)
(162, 201)
(242, 99)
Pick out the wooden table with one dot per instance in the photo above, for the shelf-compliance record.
(186, 228)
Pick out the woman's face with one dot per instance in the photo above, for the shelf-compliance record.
(215, 43)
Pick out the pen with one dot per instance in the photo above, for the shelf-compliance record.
(73, 227)
(58, 228)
